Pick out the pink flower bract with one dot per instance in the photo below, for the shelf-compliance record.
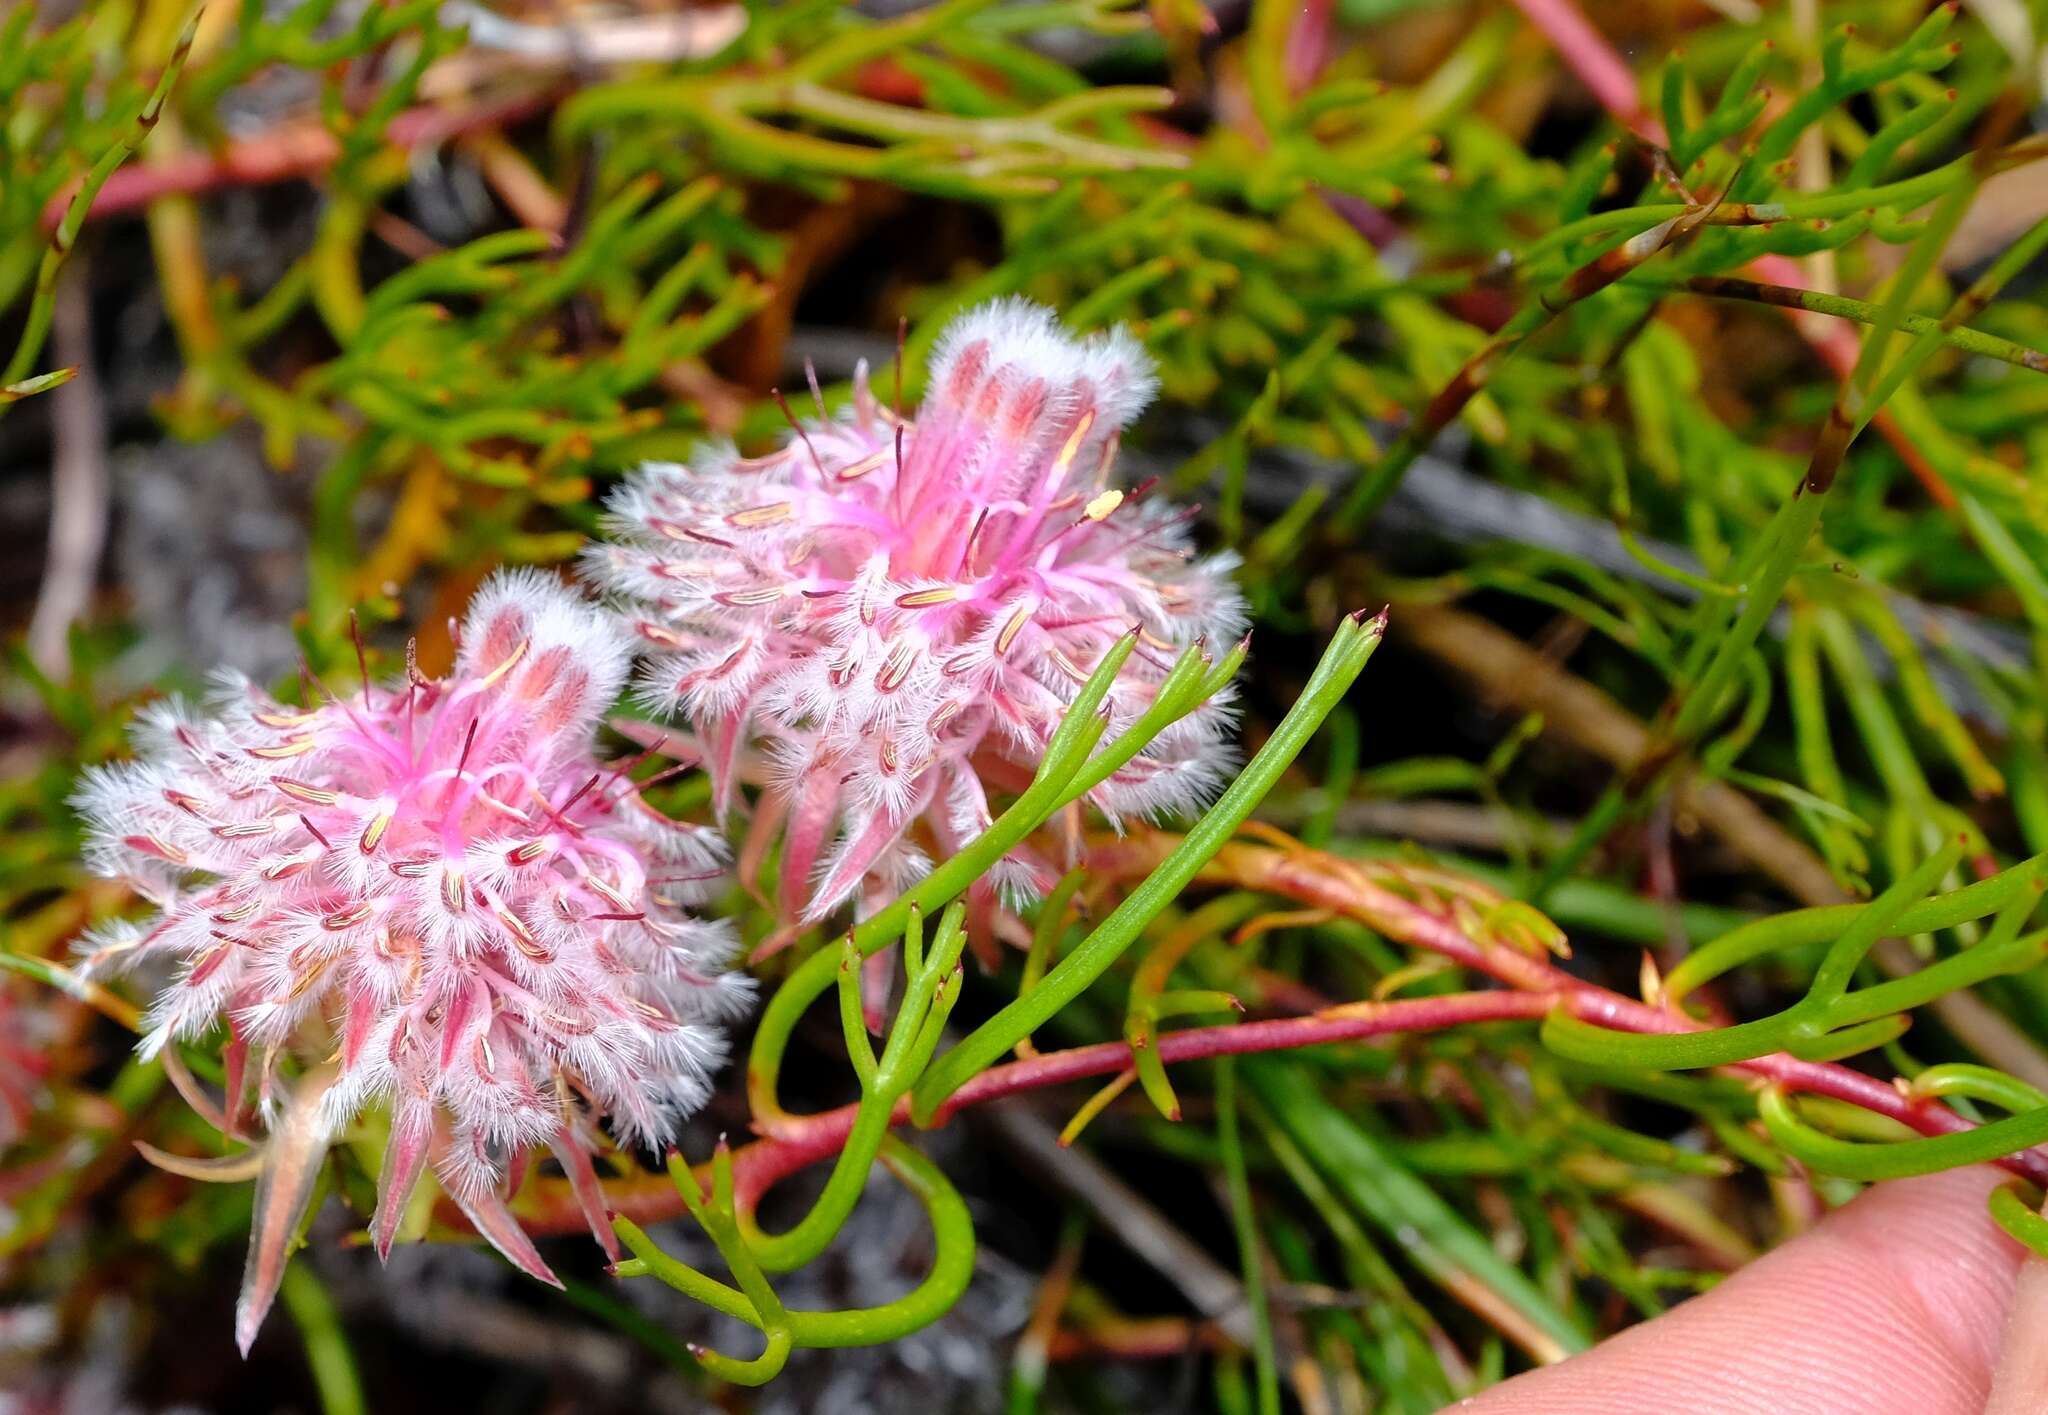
(436, 897)
(900, 610)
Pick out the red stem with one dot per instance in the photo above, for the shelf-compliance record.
(292, 150)
(1308, 45)
(1587, 54)
(1324, 880)
(800, 1141)
(1534, 988)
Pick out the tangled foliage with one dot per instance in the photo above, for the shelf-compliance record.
(1681, 417)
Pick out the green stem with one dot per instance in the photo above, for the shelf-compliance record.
(952, 1268)
(1191, 682)
(1045, 933)
(2012, 1213)
(1244, 1220)
(1847, 953)
(1341, 664)
(1901, 195)
(327, 1352)
(927, 1000)
(1961, 338)
(1801, 928)
(1870, 1160)
(2011, 261)
(1802, 1027)
(1980, 1083)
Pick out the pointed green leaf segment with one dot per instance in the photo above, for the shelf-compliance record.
(1076, 761)
(1833, 1019)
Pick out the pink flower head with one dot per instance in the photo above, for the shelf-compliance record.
(902, 610)
(435, 895)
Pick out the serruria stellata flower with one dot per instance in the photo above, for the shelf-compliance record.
(434, 896)
(897, 611)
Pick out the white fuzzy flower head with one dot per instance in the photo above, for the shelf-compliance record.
(898, 611)
(437, 897)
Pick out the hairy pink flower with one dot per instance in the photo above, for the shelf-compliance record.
(899, 610)
(436, 896)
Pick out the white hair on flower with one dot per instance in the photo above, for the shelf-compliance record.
(901, 610)
(437, 889)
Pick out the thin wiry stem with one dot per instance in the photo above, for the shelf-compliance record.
(1534, 989)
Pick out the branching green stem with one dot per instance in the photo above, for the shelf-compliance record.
(952, 1265)
(1341, 664)
(1066, 773)
(933, 988)
(1832, 1020)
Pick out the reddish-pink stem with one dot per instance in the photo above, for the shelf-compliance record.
(763, 1164)
(1534, 988)
(1588, 54)
(1308, 44)
(799, 1141)
(293, 150)
(1314, 878)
